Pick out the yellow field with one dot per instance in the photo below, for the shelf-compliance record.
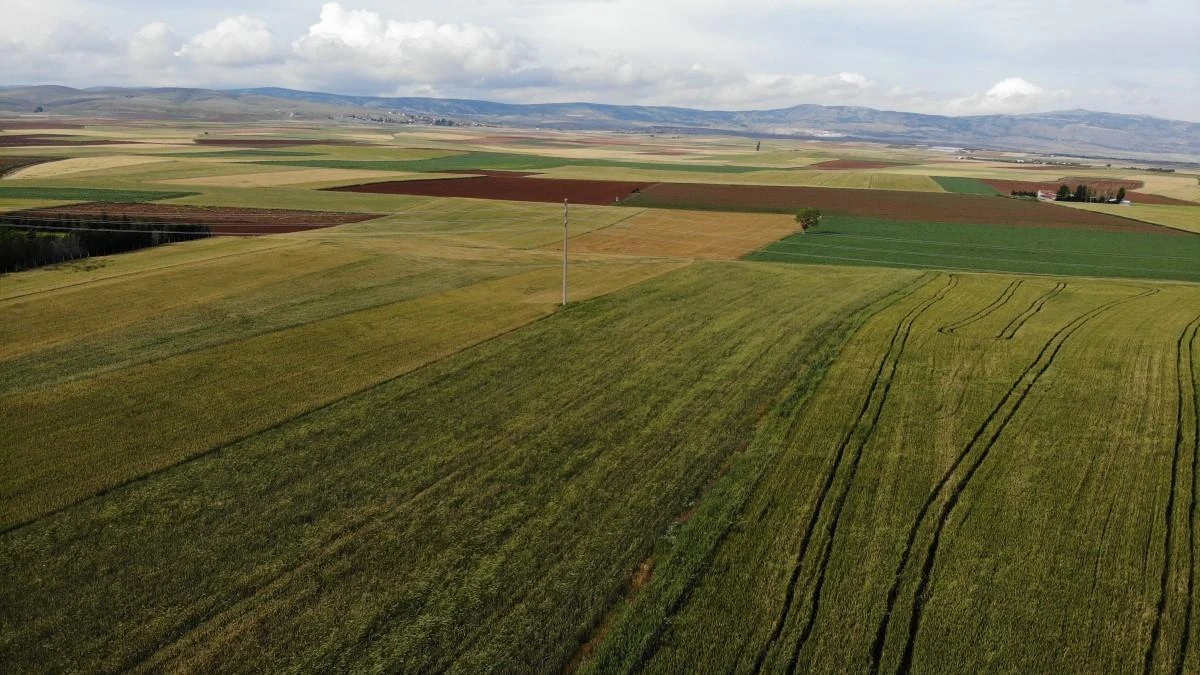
(1169, 185)
(1179, 217)
(79, 165)
(687, 234)
(289, 177)
(18, 204)
(374, 343)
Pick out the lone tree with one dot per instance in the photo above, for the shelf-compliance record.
(808, 218)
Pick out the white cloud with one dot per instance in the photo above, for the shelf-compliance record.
(395, 52)
(612, 77)
(153, 45)
(236, 41)
(1010, 95)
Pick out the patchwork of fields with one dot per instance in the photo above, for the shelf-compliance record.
(945, 431)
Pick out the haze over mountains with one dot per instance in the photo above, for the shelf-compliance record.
(1064, 132)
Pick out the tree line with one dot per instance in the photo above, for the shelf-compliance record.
(33, 240)
(1083, 193)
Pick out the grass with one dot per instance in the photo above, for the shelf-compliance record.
(384, 446)
(81, 194)
(990, 248)
(965, 186)
(439, 544)
(958, 470)
(300, 300)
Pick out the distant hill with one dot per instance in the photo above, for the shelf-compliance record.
(1065, 132)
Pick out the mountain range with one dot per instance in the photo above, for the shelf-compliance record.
(1073, 132)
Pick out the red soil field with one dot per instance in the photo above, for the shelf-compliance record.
(507, 187)
(1100, 185)
(844, 164)
(893, 205)
(27, 140)
(222, 220)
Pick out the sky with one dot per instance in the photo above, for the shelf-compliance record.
(956, 57)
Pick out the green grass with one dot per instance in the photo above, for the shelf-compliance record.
(82, 194)
(384, 447)
(384, 530)
(965, 186)
(507, 162)
(990, 248)
(1050, 550)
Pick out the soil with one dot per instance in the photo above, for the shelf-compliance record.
(893, 205)
(222, 220)
(508, 187)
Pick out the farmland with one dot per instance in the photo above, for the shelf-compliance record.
(943, 431)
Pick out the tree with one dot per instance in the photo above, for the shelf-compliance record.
(1064, 194)
(808, 218)
(1120, 195)
(1081, 193)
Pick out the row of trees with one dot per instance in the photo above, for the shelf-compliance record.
(33, 240)
(1083, 193)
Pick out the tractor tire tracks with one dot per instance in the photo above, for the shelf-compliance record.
(858, 433)
(1187, 429)
(952, 484)
(1009, 331)
(1005, 296)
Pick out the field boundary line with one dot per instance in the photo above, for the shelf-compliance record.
(891, 355)
(1185, 416)
(1001, 414)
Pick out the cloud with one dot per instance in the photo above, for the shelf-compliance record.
(153, 45)
(1010, 95)
(236, 41)
(394, 52)
(613, 77)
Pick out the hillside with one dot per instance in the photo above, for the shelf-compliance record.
(1064, 132)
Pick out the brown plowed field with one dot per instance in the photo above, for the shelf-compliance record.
(222, 220)
(30, 140)
(1100, 185)
(507, 187)
(890, 204)
(844, 164)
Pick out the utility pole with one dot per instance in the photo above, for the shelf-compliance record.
(564, 298)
